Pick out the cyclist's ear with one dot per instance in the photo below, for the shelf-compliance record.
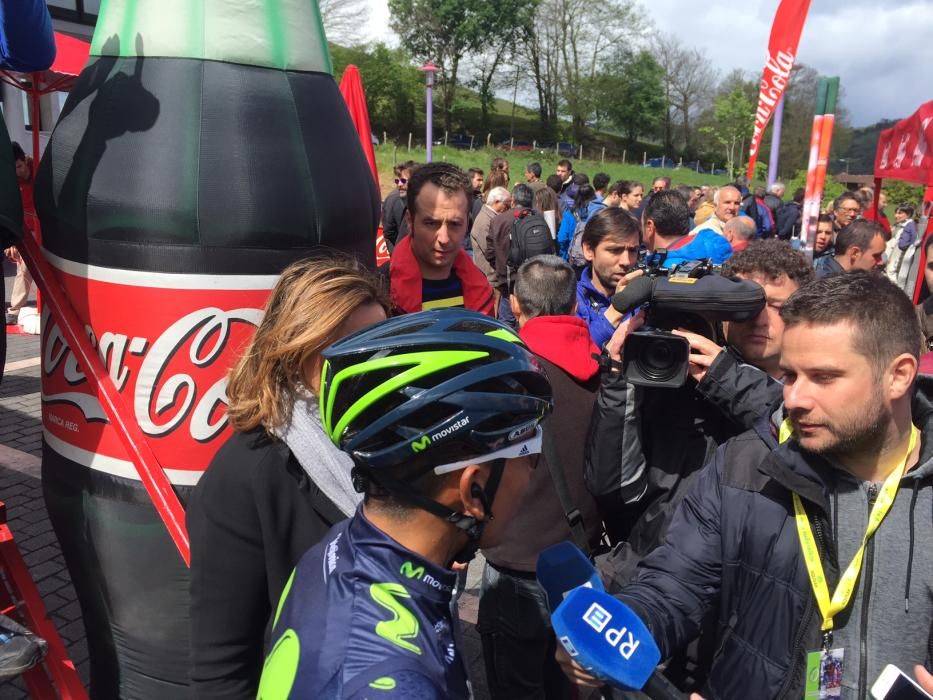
(473, 500)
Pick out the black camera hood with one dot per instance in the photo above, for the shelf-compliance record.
(713, 297)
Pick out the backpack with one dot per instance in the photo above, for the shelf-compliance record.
(759, 212)
(530, 236)
(575, 251)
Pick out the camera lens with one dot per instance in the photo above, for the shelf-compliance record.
(657, 360)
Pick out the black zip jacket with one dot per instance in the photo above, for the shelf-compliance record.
(733, 547)
(251, 517)
(645, 444)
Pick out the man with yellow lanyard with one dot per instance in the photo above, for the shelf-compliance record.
(812, 535)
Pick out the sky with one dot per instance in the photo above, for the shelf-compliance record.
(876, 47)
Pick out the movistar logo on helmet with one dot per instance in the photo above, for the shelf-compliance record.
(411, 571)
(422, 444)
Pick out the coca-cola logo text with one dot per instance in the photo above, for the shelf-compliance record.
(162, 400)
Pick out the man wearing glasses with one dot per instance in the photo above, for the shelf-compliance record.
(394, 224)
(846, 209)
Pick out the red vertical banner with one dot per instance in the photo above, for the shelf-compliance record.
(782, 53)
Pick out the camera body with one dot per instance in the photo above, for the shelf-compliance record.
(693, 295)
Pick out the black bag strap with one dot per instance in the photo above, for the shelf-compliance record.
(558, 477)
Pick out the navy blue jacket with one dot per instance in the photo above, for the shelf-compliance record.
(364, 617)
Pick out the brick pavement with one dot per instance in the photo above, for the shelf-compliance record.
(21, 489)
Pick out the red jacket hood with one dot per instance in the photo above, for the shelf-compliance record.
(565, 341)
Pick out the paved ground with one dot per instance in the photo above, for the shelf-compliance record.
(21, 489)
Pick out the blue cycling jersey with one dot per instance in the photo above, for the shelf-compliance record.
(364, 617)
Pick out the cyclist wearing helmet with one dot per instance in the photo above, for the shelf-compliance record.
(440, 412)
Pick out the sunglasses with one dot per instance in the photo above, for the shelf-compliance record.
(401, 180)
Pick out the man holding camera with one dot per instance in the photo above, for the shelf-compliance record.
(645, 441)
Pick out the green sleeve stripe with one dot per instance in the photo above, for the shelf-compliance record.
(282, 34)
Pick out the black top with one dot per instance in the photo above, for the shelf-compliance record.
(250, 518)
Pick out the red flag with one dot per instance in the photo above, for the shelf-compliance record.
(782, 53)
(905, 151)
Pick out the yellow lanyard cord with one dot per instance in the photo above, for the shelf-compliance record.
(811, 555)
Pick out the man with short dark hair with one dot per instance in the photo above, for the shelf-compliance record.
(789, 216)
(781, 271)
(533, 177)
(476, 182)
(826, 501)
(394, 221)
(611, 242)
(859, 246)
(514, 621)
(429, 268)
(565, 172)
(613, 197)
(680, 243)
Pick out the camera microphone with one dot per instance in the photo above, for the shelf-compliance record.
(636, 293)
(607, 639)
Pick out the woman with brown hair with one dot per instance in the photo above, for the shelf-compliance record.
(278, 484)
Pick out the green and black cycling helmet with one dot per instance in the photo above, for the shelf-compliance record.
(435, 390)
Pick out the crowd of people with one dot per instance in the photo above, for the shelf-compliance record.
(465, 397)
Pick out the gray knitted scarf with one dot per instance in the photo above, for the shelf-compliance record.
(327, 466)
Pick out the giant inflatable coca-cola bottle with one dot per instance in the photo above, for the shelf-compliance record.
(204, 147)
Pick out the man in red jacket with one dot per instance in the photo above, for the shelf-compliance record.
(429, 269)
(518, 644)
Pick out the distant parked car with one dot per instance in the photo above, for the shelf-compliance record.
(517, 145)
(461, 141)
(374, 138)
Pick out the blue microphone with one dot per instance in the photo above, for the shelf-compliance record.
(609, 641)
(563, 567)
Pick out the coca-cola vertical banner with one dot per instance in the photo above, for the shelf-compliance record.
(782, 54)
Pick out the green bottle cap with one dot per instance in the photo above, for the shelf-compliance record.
(283, 34)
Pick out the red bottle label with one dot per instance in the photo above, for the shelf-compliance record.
(167, 341)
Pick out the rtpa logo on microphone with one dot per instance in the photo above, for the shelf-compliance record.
(599, 618)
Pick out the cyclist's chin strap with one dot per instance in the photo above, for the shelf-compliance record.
(470, 525)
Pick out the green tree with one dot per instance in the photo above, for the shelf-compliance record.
(733, 118)
(631, 96)
(579, 33)
(392, 86)
(508, 22)
(442, 31)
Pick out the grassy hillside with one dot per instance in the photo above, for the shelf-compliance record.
(388, 155)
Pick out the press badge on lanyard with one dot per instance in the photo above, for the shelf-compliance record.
(824, 666)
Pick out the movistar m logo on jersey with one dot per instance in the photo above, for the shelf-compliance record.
(422, 444)
(411, 571)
